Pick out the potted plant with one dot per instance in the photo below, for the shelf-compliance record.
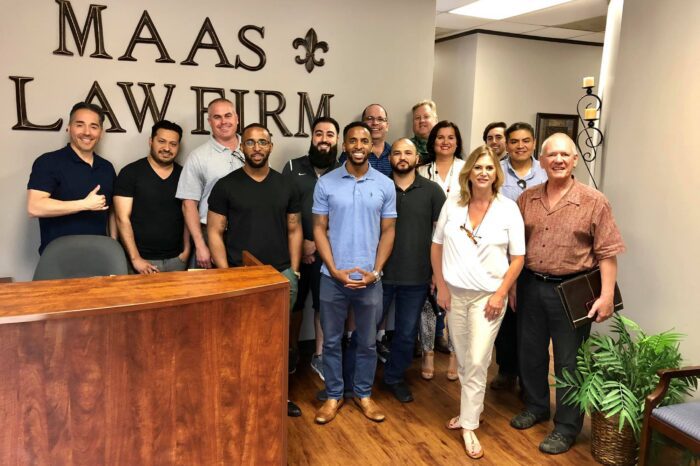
(613, 376)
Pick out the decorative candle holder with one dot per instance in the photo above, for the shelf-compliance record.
(590, 137)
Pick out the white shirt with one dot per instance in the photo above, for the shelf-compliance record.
(479, 267)
(450, 185)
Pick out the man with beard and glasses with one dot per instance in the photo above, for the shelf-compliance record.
(70, 190)
(378, 122)
(217, 157)
(259, 211)
(304, 172)
(407, 273)
(149, 216)
(354, 213)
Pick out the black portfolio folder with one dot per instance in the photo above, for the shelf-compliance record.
(578, 295)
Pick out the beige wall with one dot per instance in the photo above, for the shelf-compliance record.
(650, 161)
(371, 59)
(453, 81)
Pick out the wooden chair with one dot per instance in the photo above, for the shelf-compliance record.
(680, 422)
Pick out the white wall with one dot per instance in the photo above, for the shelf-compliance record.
(371, 59)
(650, 163)
(482, 78)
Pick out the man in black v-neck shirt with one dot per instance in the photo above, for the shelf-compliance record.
(259, 211)
(149, 216)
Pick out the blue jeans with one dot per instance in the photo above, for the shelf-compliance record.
(409, 303)
(335, 302)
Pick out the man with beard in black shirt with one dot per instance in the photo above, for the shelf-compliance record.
(304, 172)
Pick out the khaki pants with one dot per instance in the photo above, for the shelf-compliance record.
(472, 336)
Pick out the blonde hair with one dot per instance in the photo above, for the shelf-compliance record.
(465, 187)
(427, 102)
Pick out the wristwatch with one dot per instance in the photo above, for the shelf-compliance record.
(377, 275)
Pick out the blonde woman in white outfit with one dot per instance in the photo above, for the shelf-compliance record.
(445, 154)
(477, 253)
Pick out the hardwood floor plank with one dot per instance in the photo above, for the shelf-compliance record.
(415, 433)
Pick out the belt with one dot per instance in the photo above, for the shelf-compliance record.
(545, 277)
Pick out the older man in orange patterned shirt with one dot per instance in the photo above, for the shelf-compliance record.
(569, 230)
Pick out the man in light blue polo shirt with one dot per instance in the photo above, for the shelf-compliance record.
(214, 159)
(354, 216)
(522, 171)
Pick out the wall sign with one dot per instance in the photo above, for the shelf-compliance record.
(271, 103)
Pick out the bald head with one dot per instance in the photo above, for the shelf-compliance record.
(561, 138)
(404, 156)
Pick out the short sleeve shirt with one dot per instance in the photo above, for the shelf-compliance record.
(256, 212)
(355, 208)
(381, 163)
(450, 182)
(418, 208)
(571, 237)
(67, 177)
(511, 189)
(203, 168)
(156, 214)
(481, 266)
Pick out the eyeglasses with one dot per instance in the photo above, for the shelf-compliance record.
(260, 142)
(371, 119)
(522, 184)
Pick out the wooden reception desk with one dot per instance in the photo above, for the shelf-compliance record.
(183, 368)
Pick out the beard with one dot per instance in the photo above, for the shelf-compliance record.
(320, 159)
(408, 168)
(254, 164)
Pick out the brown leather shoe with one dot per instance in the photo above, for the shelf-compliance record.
(328, 410)
(370, 409)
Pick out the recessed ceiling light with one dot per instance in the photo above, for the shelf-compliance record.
(501, 9)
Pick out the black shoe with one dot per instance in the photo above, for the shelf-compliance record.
(293, 360)
(442, 345)
(383, 350)
(321, 395)
(292, 409)
(504, 382)
(556, 443)
(527, 419)
(400, 391)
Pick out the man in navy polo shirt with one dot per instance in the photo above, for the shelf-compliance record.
(354, 216)
(70, 190)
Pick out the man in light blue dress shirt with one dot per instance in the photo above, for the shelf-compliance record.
(522, 171)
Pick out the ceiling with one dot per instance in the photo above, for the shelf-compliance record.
(581, 20)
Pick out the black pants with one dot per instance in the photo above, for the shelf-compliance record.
(310, 281)
(540, 317)
(506, 344)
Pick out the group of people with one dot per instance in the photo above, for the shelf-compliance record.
(482, 239)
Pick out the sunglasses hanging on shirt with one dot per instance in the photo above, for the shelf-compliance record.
(522, 184)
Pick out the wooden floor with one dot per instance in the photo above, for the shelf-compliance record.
(414, 433)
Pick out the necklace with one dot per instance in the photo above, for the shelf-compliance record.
(448, 179)
(473, 234)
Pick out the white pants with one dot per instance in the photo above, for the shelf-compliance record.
(473, 337)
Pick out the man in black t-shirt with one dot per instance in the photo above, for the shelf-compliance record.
(149, 216)
(259, 211)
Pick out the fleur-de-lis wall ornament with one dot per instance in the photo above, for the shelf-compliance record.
(311, 43)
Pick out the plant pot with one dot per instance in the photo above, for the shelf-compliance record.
(608, 445)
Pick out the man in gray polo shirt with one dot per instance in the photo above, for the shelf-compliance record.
(214, 159)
